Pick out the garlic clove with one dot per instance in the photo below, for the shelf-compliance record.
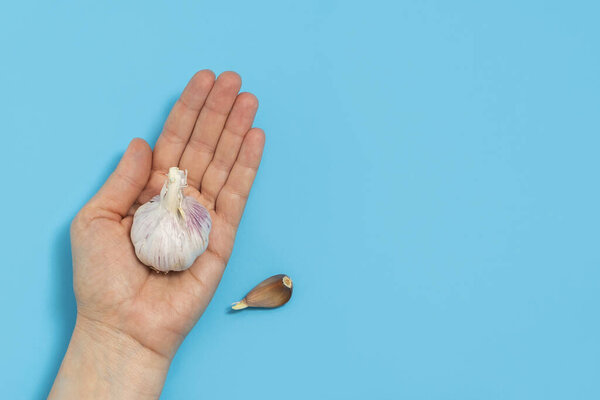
(270, 293)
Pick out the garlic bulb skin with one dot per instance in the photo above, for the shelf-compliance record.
(171, 230)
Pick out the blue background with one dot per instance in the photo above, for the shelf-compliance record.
(430, 183)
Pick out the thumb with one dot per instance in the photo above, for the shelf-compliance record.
(128, 180)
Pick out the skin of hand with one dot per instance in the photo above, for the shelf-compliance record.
(130, 319)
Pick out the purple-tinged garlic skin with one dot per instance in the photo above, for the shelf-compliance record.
(171, 230)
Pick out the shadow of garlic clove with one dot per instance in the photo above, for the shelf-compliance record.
(171, 230)
(270, 293)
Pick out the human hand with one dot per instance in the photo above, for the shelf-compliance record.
(130, 319)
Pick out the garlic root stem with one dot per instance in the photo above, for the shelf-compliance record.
(239, 305)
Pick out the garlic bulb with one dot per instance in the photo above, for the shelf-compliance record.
(170, 230)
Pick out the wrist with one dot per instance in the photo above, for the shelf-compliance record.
(103, 362)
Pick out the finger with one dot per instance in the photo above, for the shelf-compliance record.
(201, 146)
(180, 123)
(125, 184)
(232, 198)
(237, 125)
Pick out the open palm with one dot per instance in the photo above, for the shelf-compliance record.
(209, 133)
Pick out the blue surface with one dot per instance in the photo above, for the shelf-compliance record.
(430, 182)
